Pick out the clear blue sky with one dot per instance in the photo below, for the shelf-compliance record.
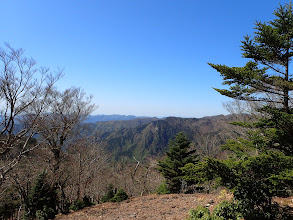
(139, 57)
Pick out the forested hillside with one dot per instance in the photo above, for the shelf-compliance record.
(144, 137)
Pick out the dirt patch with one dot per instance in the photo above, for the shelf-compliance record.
(155, 207)
(171, 207)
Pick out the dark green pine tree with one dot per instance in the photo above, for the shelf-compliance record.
(266, 77)
(178, 156)
(42, 200)
(262, 165)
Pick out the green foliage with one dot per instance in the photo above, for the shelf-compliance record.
(200, 213)
(80, 204)
(252, 179)
(9, 202)
(114, 196)
(233, 211)
(270, 51)
(177, 157)
(199, 172)
(44, 214)
(224, 211)
(41, 200)
(77, 205)
(120, 135)
(278, 128)
(109, 195)
(227, 210)
(87, 201)
(261, 167)
(163, 189)
(119, 196)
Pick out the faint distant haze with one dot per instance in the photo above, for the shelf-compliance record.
(146, 57)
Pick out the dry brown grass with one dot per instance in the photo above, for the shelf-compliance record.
(155, 207)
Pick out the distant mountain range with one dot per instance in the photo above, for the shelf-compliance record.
(98, 118)
(142, 137)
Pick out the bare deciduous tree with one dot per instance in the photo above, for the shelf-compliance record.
(65, 110)
(24, 92)
(84, 163)
(208, 144)
(242, 109)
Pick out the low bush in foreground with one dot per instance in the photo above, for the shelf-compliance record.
(235, 211)
(119, 196)
(163, 189)
(80, 204)
(224, 211)
(114, 196)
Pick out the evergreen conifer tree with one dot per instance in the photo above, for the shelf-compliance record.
(42, 201)
(261, 166)
(266, 77)
(178, 156)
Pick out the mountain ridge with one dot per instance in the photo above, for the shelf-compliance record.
(142, 137)
(114, 117)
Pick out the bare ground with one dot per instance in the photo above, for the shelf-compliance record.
(156, 207)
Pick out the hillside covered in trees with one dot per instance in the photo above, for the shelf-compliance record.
(145, 137)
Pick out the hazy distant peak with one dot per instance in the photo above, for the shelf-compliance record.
(99, 118)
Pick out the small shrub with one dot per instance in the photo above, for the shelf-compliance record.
(77, 205)
(66, 207)
(9, 202)
(225, 195)
(41, 215)
(119, 196)
(87, 201)
(227, 210)
(224, 211)
(109, 195)
(163, 189)
(274, 212)
(113, 196)
(41, 200)
(200, 212)
(46, 213)
(80, 204)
